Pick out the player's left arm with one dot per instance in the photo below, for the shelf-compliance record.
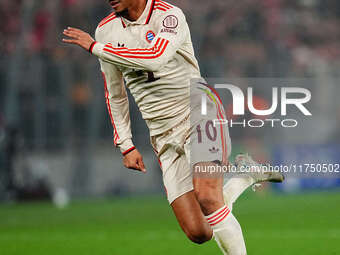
(172, 32)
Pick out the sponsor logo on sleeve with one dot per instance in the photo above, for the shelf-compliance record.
(170, 21)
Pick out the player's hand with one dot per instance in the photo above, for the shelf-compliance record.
(78, 37)
(134, 160)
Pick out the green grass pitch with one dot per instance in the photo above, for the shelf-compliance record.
(272, 224)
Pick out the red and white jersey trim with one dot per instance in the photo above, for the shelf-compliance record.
(147, 53)
(107, 100)
(106, 20)
(161, 5)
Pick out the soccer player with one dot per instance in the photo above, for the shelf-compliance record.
(147, 44)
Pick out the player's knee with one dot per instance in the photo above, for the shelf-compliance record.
(207, 198)
(201, 239)
(199, 235)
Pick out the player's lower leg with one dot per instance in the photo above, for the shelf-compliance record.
(226, 229)
(251, 174)
(234, 188)
(191, 219)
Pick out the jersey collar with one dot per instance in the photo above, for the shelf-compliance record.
(144, 18)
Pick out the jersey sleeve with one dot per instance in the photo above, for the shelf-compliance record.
(172, 32)
(118, 106)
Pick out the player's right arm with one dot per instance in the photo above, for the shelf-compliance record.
(118, 107)
(163, 47)
(168, 40)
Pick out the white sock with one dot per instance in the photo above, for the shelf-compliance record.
(227, 232)
(235, 187)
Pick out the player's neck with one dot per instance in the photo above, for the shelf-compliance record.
(136, 10)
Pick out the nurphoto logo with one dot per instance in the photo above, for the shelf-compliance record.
(295, 97)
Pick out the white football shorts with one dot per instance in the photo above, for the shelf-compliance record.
(197, 138)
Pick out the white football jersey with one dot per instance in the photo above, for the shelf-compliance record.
(155, 57)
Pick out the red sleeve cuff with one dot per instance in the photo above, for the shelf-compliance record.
(129, 150)
(91, 47)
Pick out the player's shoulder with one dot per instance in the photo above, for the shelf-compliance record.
(108, 19)
(163, 8)
(105, 23)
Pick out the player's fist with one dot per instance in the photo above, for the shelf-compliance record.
(134, 160)
(78, 37)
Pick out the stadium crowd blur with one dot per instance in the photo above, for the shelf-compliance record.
(40, 77)
(249, 38)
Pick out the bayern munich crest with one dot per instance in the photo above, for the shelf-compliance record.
(150, 36)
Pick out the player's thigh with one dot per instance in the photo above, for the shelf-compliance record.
(190, 217)
(177, 175)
